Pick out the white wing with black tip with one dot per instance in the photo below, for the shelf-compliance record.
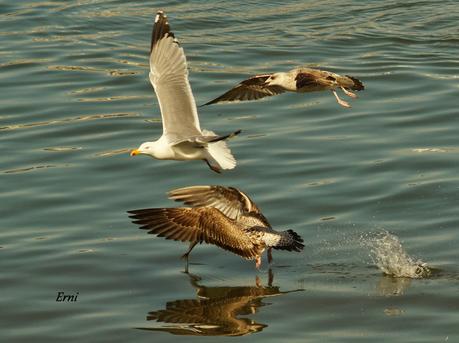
(169, 77)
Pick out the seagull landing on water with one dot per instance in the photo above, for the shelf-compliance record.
(300, 80)
(182, 137)
(218, 215)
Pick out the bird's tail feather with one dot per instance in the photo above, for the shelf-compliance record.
(357, 84)
(290, 241)
(218, 153)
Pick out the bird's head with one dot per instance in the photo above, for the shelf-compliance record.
(275, 79)
(147, 148)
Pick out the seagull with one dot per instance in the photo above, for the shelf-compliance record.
(223, 216)
(182, 137)
(300, 80)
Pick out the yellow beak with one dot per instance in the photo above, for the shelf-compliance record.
(135, 152)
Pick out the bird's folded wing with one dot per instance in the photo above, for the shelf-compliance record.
(169, 77)
(251, 89)
(230, 201)
(197, 225)
(314, 79)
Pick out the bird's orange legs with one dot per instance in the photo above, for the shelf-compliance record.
(340, 101)
(258, 262)
(349, 93)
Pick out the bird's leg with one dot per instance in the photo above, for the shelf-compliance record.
(257, 281)
(349, 93)
(270, 277)
(186, 266)
(341, 102)
(194, 280)
(192, 245)
(270, 255)
(185, 255)
(258, 262)
(215, 169)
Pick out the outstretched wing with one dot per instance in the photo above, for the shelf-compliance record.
(169, 77)
(230, 201)
(197, 225)
(251, 89)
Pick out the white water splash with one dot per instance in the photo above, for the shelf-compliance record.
(388, 254)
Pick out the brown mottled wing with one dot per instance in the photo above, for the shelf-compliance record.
(322, 80)
(205, 224)
(311, 80)
(230, 201)
(253, 88)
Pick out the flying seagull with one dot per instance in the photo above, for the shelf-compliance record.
(182, 137)
(218, 215)
(300, 80)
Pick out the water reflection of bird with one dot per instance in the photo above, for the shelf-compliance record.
(299, 80)
(224, 216)
(216, 310)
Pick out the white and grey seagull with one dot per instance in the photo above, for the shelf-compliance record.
(299, 80)
(223, 216)
(182, 137)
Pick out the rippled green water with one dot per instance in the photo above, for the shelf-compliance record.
(75, 98)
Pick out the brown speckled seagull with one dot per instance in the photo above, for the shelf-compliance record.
(300, 80)
(218, 215)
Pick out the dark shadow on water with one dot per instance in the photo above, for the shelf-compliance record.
(216, 311)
